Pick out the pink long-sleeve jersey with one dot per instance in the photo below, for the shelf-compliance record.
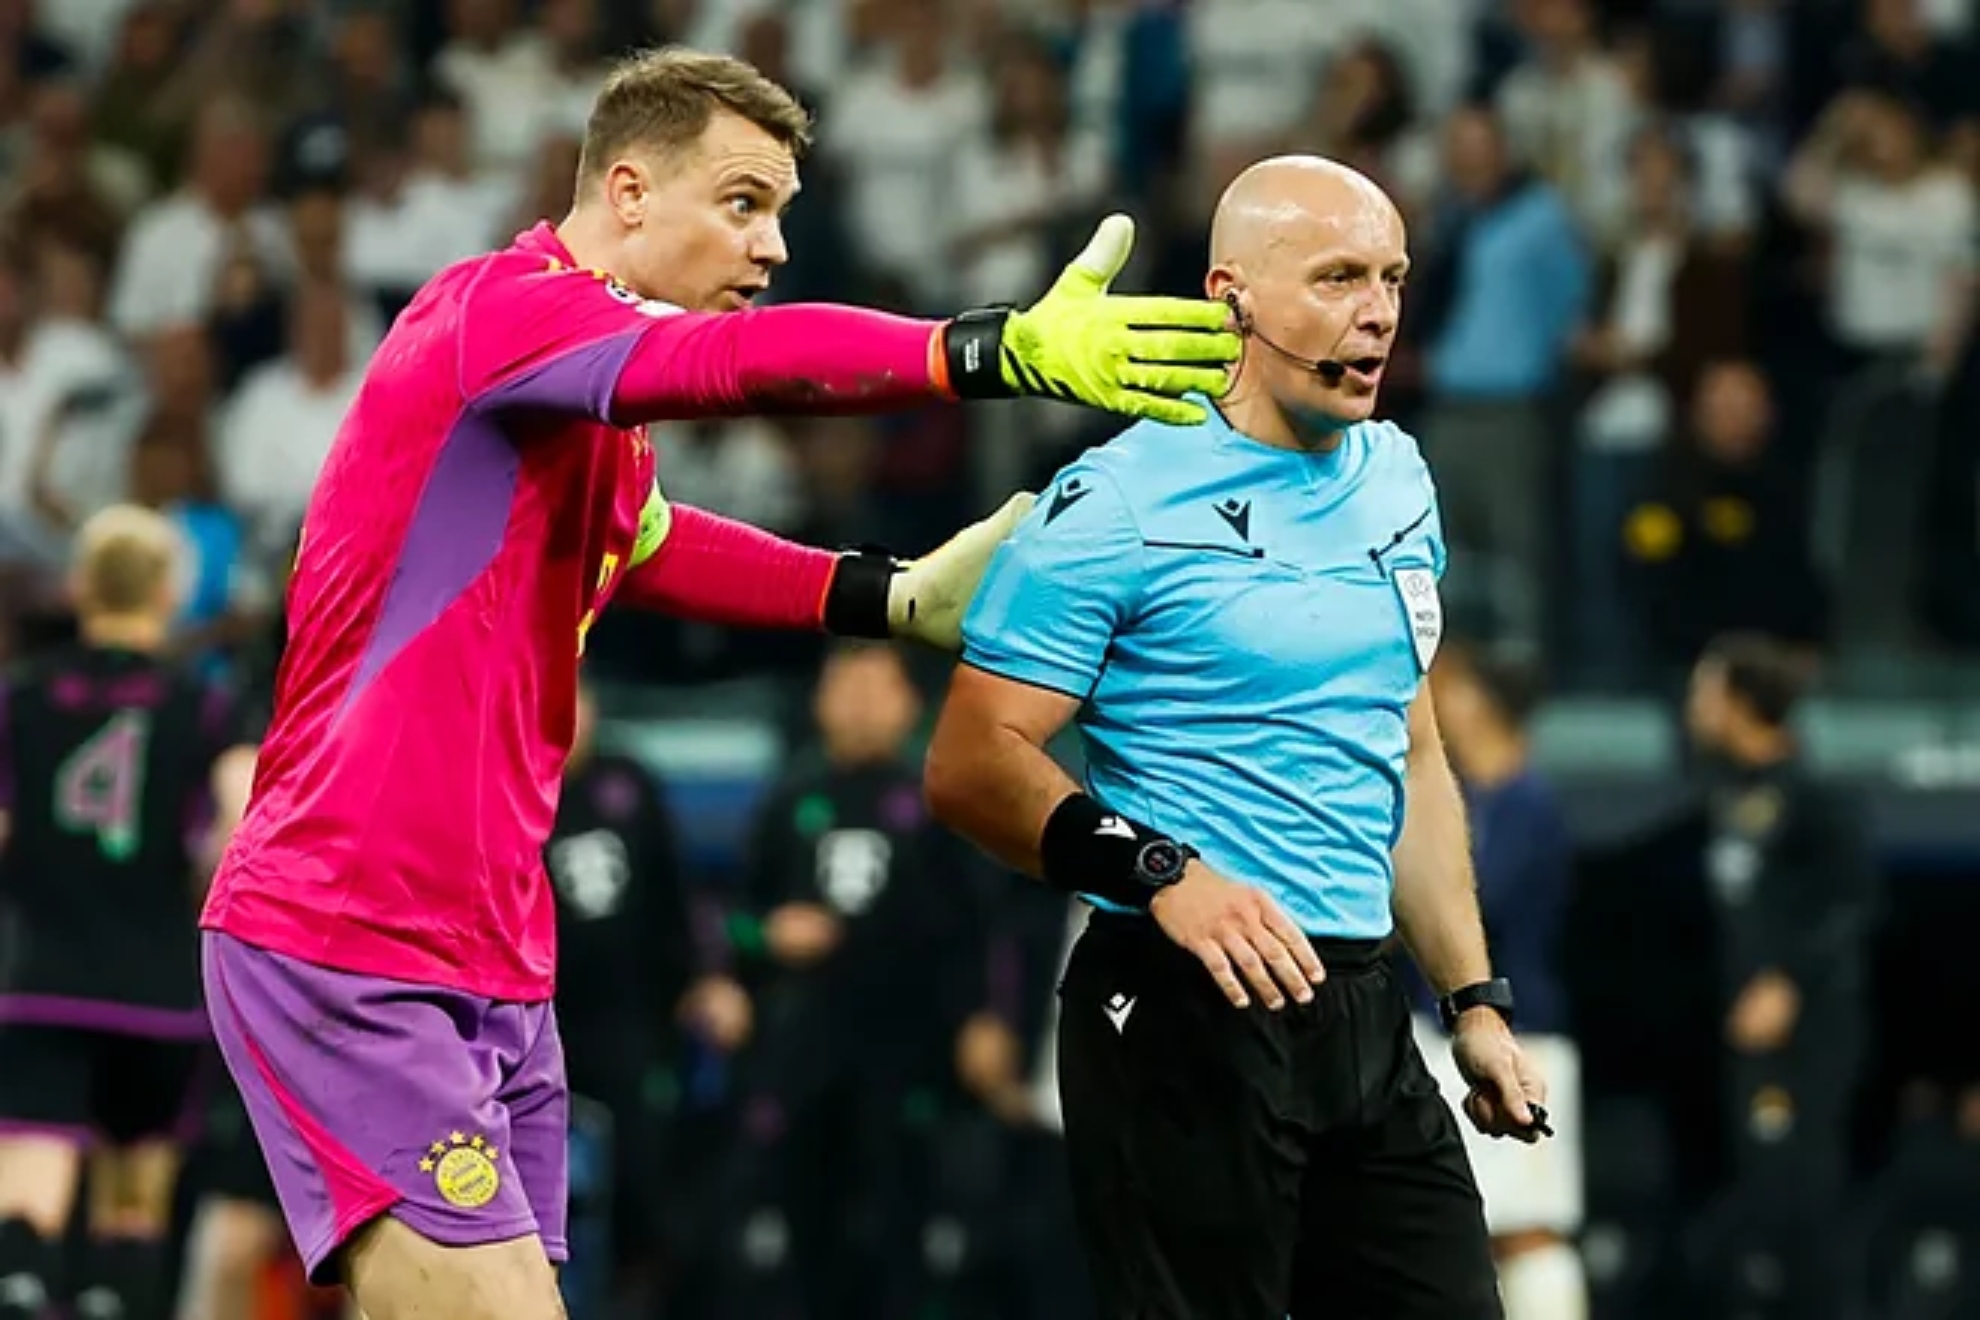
(478, 509)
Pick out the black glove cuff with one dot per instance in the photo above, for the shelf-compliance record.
(1087, 849)
(973, 345)
(856, 601)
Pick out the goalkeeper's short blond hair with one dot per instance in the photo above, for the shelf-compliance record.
(663, 100)
(128, 560)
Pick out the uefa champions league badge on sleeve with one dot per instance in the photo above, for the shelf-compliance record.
(1417, 588)
(463, 1169)
(644, 306)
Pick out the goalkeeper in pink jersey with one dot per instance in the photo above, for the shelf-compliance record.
(379, 951)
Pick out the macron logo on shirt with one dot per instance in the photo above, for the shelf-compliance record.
(1237, 516)
(1067, 495)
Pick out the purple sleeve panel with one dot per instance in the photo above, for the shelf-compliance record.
(456, 531)
(578, 382)
(463, 512)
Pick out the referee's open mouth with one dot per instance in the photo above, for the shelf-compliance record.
(1365, 372)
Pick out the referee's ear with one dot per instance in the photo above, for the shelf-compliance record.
(1225, 284)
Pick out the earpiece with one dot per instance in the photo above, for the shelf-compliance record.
(1232, 301)
(1326, 368)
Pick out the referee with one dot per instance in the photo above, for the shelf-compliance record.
(1238, 615)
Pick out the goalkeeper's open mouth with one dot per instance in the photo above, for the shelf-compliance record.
(739, 296)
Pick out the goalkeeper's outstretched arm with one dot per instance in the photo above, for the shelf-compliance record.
(813, 358)
(1080, 344)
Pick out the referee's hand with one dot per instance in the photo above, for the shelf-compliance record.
(1505, 1086)
(1241, 936)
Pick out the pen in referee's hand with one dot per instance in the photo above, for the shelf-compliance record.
(1539, 1123)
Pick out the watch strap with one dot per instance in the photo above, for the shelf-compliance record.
(1495, 994)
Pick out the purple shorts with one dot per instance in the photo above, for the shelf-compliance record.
(447, 1111)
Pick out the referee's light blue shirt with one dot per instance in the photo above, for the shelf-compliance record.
(1246, 627)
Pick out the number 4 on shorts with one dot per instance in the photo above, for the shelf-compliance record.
(99, 787)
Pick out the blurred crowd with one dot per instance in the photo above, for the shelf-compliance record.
(1687, 342)
(1688, 345)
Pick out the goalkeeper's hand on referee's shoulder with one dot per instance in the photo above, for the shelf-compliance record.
(873, 594)
(1083, 344)
(927, 599)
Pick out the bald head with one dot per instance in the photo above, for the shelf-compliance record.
(1295, 204)
(1312, 258)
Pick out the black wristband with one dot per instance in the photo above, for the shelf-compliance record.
(973, 345)
(856, 602)
(1087, 849)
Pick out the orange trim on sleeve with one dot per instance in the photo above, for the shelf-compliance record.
(938, 361)
(825, 592)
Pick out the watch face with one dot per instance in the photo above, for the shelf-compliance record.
(1161, 862)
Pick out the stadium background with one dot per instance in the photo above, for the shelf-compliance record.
(1687, 342)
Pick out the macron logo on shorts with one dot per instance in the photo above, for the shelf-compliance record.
(1117, 1010)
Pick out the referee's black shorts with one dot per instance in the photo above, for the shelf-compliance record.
(1236, 1164)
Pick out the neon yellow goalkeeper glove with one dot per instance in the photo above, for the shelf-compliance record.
(1082, 344)
(872, 594)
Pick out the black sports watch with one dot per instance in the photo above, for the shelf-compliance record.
(1495, 994)
(1161, 862)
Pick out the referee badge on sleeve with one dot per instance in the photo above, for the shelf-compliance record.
(1417, 587)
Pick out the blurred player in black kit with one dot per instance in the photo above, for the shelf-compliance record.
(628, 970)
(118, 773)
(849, 871)
(1790, 876)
